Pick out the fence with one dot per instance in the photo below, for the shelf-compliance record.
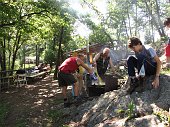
(6, 79)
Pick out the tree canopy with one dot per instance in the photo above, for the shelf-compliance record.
(46, 28)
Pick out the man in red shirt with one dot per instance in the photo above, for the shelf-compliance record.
(167, 48)
(66, 77)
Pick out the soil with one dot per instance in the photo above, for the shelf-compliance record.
(29, 105)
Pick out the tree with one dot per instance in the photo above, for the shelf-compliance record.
(26, 23)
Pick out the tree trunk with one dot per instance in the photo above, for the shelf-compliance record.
(130, 31)
(15, 50)
(124, 22)
(157, 24)
(37, 55)
(59, 51)
(9, 51)
(62, 55)
(159, 19)
(3, 65)
(54, 41)
(136, 16)
(110, 38)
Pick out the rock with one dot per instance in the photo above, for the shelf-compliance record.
(111, 83)
(117, 108)
(146, 121)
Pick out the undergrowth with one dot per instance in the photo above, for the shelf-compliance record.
(3, 112)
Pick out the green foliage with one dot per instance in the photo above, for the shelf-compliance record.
(17, 64)
(50, 56)
(30, 23)
(120, 111)
(164, 116)
(33, 23)
(21, 123)
(164, 38)
(130, 110)
(64, 126)
(55, 116)
(127, 18)
(165, 71)
(76, 43)
(29, 65)
(3, 113)
(99, 36)
(57, 101)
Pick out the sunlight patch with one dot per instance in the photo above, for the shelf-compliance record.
(39, 102)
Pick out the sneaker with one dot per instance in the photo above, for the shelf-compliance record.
(77, 101)
(134, 83)
(66, 103)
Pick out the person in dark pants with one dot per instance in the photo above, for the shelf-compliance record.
(66, 77)
(144, 56)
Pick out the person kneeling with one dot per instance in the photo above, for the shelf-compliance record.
(144, 56)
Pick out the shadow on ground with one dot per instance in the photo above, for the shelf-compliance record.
(30, 105)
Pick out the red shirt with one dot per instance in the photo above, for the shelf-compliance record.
(69, 65)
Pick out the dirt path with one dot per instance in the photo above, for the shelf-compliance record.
(29, 105)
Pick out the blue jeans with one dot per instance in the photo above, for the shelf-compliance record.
(133, 62)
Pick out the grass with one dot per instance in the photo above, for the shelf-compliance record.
(129, 112)
(55, 116)
(3, 113)
(131, 108)
(21, 123)
(4, 109)
(57, 101)
(164, 116)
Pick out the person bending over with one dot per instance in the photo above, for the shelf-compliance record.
(66, 77)
(102, 60)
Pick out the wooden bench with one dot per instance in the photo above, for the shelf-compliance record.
(20, 80)
(35, 76)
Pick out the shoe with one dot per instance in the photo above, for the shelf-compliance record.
(67, 104)
(134, 83)
(77, 101)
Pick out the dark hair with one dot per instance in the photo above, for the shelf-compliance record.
(80, 55)
(133, 41)
(167, 22)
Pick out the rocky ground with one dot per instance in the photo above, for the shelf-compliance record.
(40, 105)
(147, 108)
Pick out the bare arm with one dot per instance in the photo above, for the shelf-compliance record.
(96, 57)
(81, 63)
(158, 69)
(111, 65)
